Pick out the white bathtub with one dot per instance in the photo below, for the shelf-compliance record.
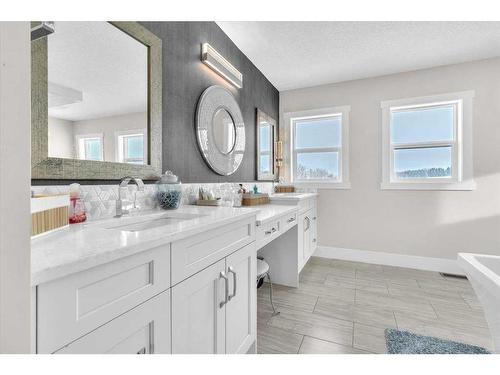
(483, 272)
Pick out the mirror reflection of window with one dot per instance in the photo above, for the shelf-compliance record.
(265, 140)
(97, 84)
(90, 147)
(131, 147)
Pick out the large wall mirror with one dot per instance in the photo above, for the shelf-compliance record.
(266, 139)
(96, 102)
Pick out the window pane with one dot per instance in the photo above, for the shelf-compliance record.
(265, 137)
(423, 162)
(422, 124)
(324, 132)
(317, 166)
(93, 149)
(264, 164)
(135, 147)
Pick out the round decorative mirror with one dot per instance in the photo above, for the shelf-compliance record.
(220, 130)
(224, 131)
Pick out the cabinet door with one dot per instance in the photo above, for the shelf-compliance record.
(198, 318)
(142, 330)
(241, 309)
(304, 240)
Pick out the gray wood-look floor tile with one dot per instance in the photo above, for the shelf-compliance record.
(398, 303)
(370, 315)
(314, 325)
(275, 340)
(389, 279)
(335, 281)
(344, 307)
(369, 338)
(311, 345)
(293, 300)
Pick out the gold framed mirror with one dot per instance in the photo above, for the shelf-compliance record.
(96, 102)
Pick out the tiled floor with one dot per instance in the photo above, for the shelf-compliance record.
(344, 307)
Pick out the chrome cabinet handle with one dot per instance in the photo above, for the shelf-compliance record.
(314, 218)
(314, 240)
(291, 220)
(231, 270)
(141, 351)
(226, 289)
(270, 231)
(308, 223)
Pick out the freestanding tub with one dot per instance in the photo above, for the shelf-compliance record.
(483, 272)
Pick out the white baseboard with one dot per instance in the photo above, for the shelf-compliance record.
(391, 259)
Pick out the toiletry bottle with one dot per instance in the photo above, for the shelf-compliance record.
(77, 212)
(255, 189)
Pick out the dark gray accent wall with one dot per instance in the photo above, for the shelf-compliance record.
(185, 77)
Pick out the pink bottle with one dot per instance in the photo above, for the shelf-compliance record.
(76, 205)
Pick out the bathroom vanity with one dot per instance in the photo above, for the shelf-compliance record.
(187, 286)
(180, 281)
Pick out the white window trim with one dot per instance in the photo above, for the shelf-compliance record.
(462, 164)
(79, 137)
(343, 182)
(119, 145)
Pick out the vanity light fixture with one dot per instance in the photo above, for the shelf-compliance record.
(213, 59)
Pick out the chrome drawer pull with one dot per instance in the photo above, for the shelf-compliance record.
(231, 270)
(291, 220)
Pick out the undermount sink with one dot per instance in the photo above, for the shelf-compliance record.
(149, 223)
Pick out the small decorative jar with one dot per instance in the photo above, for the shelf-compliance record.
(169, 193)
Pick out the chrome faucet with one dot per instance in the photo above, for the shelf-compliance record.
(120, 211)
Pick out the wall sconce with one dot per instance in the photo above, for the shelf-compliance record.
(213, 59)
(278, 147)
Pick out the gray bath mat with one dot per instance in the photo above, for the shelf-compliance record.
(402, 342)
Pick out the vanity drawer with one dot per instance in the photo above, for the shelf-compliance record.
(197, 252)
(71, 307)
(143, 330)
(268, 232)
(288, 221)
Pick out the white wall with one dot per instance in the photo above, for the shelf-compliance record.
(109, 126)
(423, 223)
(15, 183)
(61, 138)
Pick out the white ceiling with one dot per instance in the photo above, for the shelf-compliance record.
(103, 63)
(303, 54)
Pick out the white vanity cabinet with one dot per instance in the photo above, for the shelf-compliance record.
(214, 311)
(194, 295)
(71, 307)
(307, 220)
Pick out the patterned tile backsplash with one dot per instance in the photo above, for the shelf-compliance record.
(100, 200)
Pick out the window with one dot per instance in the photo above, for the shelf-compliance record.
(424, 142)
(90, 147)
(319, 147)
(131, 147)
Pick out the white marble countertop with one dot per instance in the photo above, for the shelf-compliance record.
(268, 212)
(293, 197)
(83, 246)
